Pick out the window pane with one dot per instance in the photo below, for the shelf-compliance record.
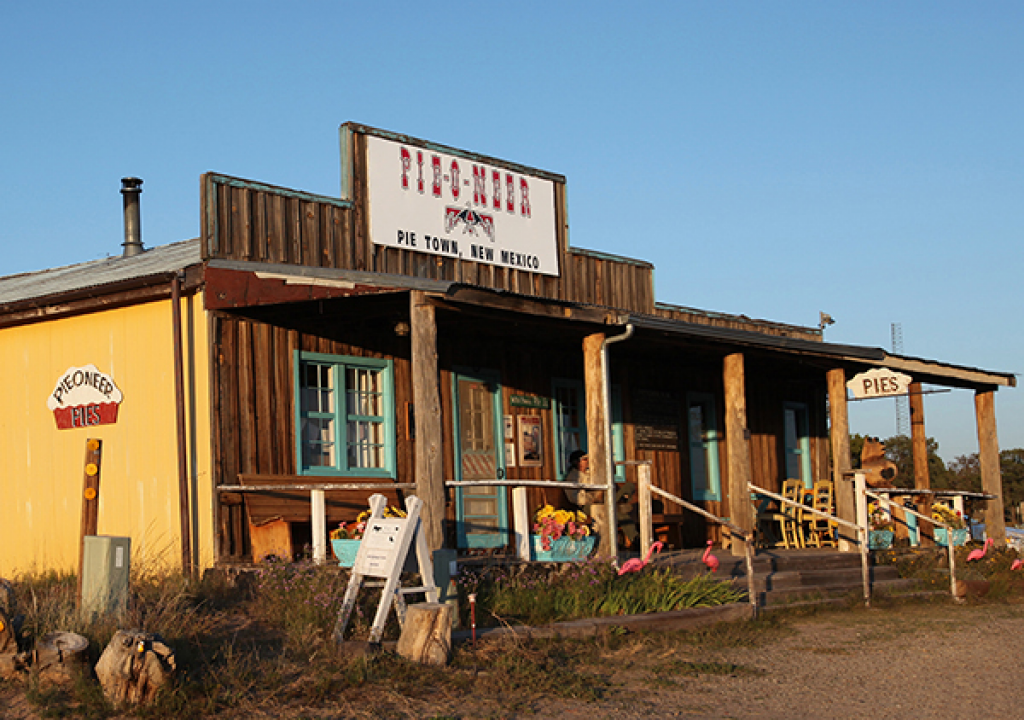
(317, 442)
(363, 390)
(365, 444)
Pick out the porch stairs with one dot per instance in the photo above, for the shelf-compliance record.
(790, 577)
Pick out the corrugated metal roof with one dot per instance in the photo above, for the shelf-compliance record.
(155, 261)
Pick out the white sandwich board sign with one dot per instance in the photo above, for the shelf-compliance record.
(382, 553)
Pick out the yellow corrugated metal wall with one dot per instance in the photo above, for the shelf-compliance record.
(42, 478)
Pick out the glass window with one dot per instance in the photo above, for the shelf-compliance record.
(345, 415)
(705, 478)
(570, 413)
(797, 443)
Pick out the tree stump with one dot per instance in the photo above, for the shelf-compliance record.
(134, 666)
(427, 634)
(59, 654)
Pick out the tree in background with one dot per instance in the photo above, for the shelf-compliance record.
(965, 474)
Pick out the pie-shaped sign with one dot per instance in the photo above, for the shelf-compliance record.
(84, 397)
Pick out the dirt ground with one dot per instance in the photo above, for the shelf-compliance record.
(928, 661)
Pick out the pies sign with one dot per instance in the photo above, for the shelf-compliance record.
(879, 382)
(84, 397)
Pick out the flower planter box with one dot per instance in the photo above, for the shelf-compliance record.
(880, 539)
(959, 537)
(345, 551)
(563, 549)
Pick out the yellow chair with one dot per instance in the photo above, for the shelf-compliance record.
(821, 532)
(788, 518)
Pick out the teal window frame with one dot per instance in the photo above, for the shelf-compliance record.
(560, 431)
(343, 416)
(798, 443)
(711, 489)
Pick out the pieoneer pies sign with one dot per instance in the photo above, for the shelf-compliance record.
(84, 397)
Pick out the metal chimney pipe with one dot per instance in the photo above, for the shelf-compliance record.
(131, 188)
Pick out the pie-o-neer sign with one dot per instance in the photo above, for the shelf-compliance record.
(84, 397)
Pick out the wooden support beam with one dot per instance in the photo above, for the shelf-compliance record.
(919, 447)
(597, 450)
(737, 443)
(839, 418)
(988, 456)
(427, 409)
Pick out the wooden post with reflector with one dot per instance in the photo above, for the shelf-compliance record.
(90, 500)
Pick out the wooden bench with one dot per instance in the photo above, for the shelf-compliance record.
(273, 512)
(668, 528)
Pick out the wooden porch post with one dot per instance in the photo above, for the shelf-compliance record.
(846, 507)
(427, 409)
(988, 456)
(737, 443)
(597, 451)
(922, 480)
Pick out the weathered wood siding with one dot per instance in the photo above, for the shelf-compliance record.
(245, 220)
(254, 409)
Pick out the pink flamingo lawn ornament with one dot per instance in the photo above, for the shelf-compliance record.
(636, 564)
(979, 553)
(708, 559)
(1017, 564)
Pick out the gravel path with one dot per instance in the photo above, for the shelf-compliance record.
(905, 662)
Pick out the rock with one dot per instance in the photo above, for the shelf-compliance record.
(134, 666)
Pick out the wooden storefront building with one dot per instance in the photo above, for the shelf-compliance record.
(431, 324)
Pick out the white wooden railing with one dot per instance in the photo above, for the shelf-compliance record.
(645, 492)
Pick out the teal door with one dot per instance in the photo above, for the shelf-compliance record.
(479, 455)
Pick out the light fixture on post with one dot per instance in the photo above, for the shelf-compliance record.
(824, 320)
(402, 328)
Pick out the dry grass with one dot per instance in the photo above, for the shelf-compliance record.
(263, 648)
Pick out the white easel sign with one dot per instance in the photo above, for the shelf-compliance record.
(386, 543)
(378, 552)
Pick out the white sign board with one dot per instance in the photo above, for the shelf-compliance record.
(879, 382)
(427, 201)
(379, 550)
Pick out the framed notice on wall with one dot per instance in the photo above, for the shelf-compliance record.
(531, 441)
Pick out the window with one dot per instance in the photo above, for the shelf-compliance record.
(345, 415)
(797, 443)
(703, 438)
(570, 429)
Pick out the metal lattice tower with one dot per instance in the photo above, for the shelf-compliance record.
(902, 402)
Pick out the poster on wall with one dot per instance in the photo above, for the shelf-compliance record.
(425, 200)
(531, 441)
(84, 397)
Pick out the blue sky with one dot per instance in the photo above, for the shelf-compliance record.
(771, 159)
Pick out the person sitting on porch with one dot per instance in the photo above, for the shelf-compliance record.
(592, 502)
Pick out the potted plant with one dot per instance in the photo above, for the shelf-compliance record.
(561, 535)
(346, 537)
(945, 514)
(880, 534)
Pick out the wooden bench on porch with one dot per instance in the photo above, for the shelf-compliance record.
(668, 528)
(273, 512)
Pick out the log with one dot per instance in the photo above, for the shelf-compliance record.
(427, 634)
(59, 654)
(8, 638)
(134, 667)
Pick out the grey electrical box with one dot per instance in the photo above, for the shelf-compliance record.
(106, 566)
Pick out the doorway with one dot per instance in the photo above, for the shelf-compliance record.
(481, 512)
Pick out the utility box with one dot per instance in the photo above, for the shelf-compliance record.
(106, 566)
